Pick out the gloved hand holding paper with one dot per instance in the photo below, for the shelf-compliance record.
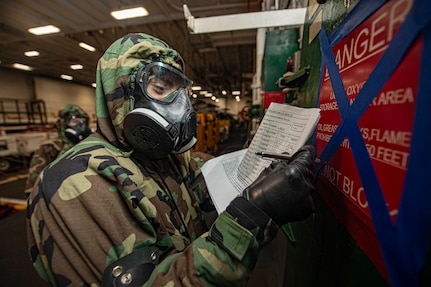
(284, 128)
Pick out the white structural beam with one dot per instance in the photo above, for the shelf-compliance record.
(253, 20)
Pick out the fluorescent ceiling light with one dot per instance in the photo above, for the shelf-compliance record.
(129, 13)
(66, 77)
(48, 29)
(22, 67)
(76, 67)
(196, 88)
(236, 93)
(208, 95)
(87, 47)
(31, 53)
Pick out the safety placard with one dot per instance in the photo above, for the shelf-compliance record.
(385, 126)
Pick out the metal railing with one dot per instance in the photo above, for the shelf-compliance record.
(14, 112)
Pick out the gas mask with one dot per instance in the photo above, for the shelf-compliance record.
(163, 120)
(77, 129)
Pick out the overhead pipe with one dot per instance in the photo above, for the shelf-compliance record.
(212, 7)
(244, 21)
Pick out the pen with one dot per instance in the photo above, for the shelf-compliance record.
(284, 156)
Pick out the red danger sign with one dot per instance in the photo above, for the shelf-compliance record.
(386, 125)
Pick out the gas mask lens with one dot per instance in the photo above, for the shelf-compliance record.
(75, 121)
(161, 81)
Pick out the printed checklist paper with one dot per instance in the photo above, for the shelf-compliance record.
(284, 128)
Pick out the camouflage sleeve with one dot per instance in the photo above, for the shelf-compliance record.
(198, 184)
(225, 256)
(199, 187)
(43, 156)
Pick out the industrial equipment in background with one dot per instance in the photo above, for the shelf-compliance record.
(23, 127)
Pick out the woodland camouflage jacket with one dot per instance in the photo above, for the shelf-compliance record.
(97, 203)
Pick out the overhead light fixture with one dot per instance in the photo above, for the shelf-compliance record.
(208, 95)
(42, 30)
(235, 93)
(196, 88)
(129, 13)
(31, 53)
(22, 67)
(76, 67)
(66, 77)
(93, 85)
(87, 47)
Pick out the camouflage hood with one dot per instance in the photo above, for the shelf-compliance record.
(115, 79)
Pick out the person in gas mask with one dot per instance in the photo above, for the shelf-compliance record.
(126, 206)
(72, 126)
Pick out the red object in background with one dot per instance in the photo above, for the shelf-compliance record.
(386, 125)
(269, 97)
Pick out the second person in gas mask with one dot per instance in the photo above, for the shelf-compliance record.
(72, 125)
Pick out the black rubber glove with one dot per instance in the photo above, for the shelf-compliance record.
(282, 191)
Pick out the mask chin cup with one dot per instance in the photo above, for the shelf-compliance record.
(188, 146)
(149, 133)
(73, 135)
